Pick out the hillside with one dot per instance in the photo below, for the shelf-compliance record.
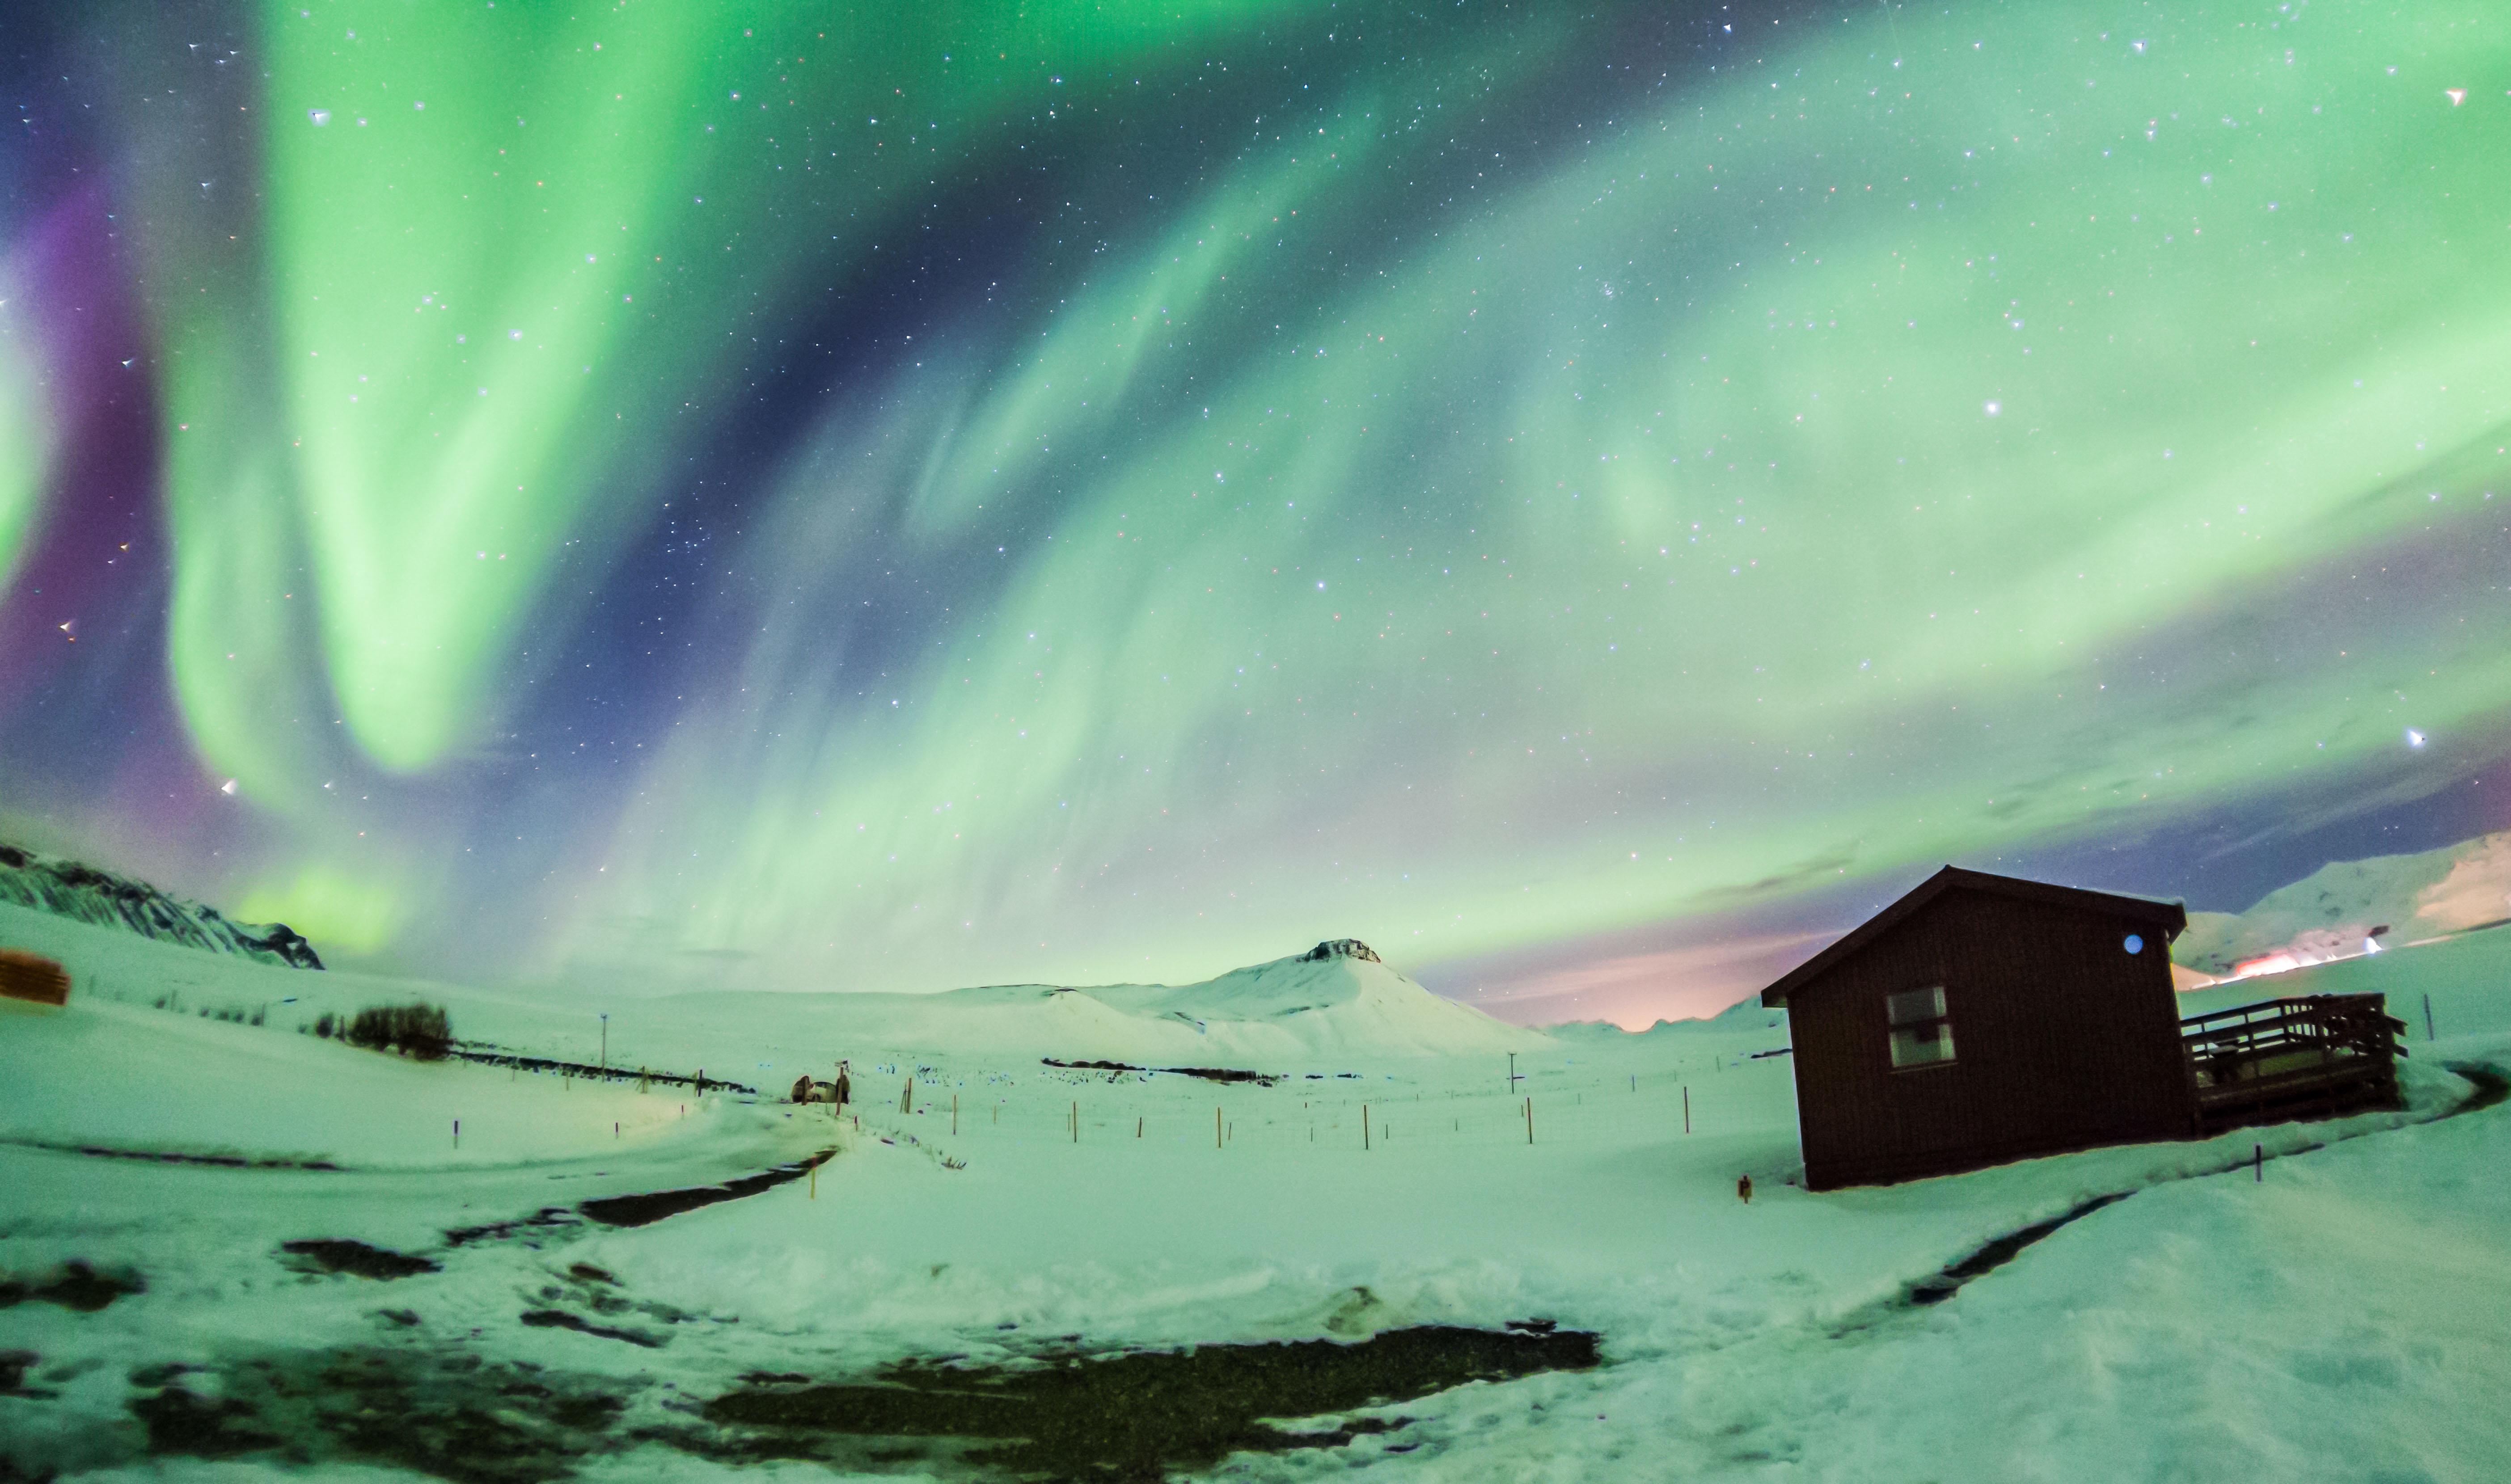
(84, 894)
(1311, 1009)
(2328, 913)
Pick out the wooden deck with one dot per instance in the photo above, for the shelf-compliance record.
(2310, 1057)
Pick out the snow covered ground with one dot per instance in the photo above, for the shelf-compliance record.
(2342, 1319)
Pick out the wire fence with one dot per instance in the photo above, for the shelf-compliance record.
(964, 1111)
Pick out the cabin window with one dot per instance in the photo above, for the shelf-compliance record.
(1921, 1036)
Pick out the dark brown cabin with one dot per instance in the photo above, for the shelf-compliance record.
(1981, 1020)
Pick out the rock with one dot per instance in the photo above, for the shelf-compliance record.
(1342, 948)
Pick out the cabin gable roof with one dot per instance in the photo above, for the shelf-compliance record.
(2169, 917)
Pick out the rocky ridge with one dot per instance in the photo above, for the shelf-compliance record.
(67, 888)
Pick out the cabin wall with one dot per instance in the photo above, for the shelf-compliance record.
(2061, 1040)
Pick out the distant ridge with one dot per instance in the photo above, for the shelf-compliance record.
(2332, 912)
(1745, 1013)
(84, 894)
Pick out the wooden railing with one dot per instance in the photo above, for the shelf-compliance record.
(2309, 1056)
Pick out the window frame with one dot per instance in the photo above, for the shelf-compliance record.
(1901, 1027)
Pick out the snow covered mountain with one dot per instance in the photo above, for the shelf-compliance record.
(1336, 1002)
(2331, 912)
(1745, 1014)
(1336, 997)
(70, 890)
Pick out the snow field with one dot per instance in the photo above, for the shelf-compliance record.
(2342, 1319)
(142, 1080)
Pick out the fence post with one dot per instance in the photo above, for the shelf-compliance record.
(1363, 1127)
(1216, 1129)
(2428, 1025)
(1686, 1109)
(1530, 1120)
(2258, 1163)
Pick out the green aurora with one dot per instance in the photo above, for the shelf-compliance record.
(1172, 489)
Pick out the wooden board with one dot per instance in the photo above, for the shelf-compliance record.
(33, 979)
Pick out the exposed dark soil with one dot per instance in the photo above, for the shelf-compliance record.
(546, 1216)
(451, 1416)
(339, 1254)
(560, 1318)
(2491, 1086)
(1207, 1074)
(72, 1285)
(488, 1056)
(2003, 1251)
(168, 1156)
(646, 1209)
(1136, 1416)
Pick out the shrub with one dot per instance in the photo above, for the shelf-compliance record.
(423, 1031)
(323, 1025)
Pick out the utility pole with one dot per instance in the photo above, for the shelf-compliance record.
(606, 1040)
(1513, 1077)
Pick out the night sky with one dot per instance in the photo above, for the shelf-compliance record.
(1585, 498)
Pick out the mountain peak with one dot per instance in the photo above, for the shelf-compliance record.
(1340, 948)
